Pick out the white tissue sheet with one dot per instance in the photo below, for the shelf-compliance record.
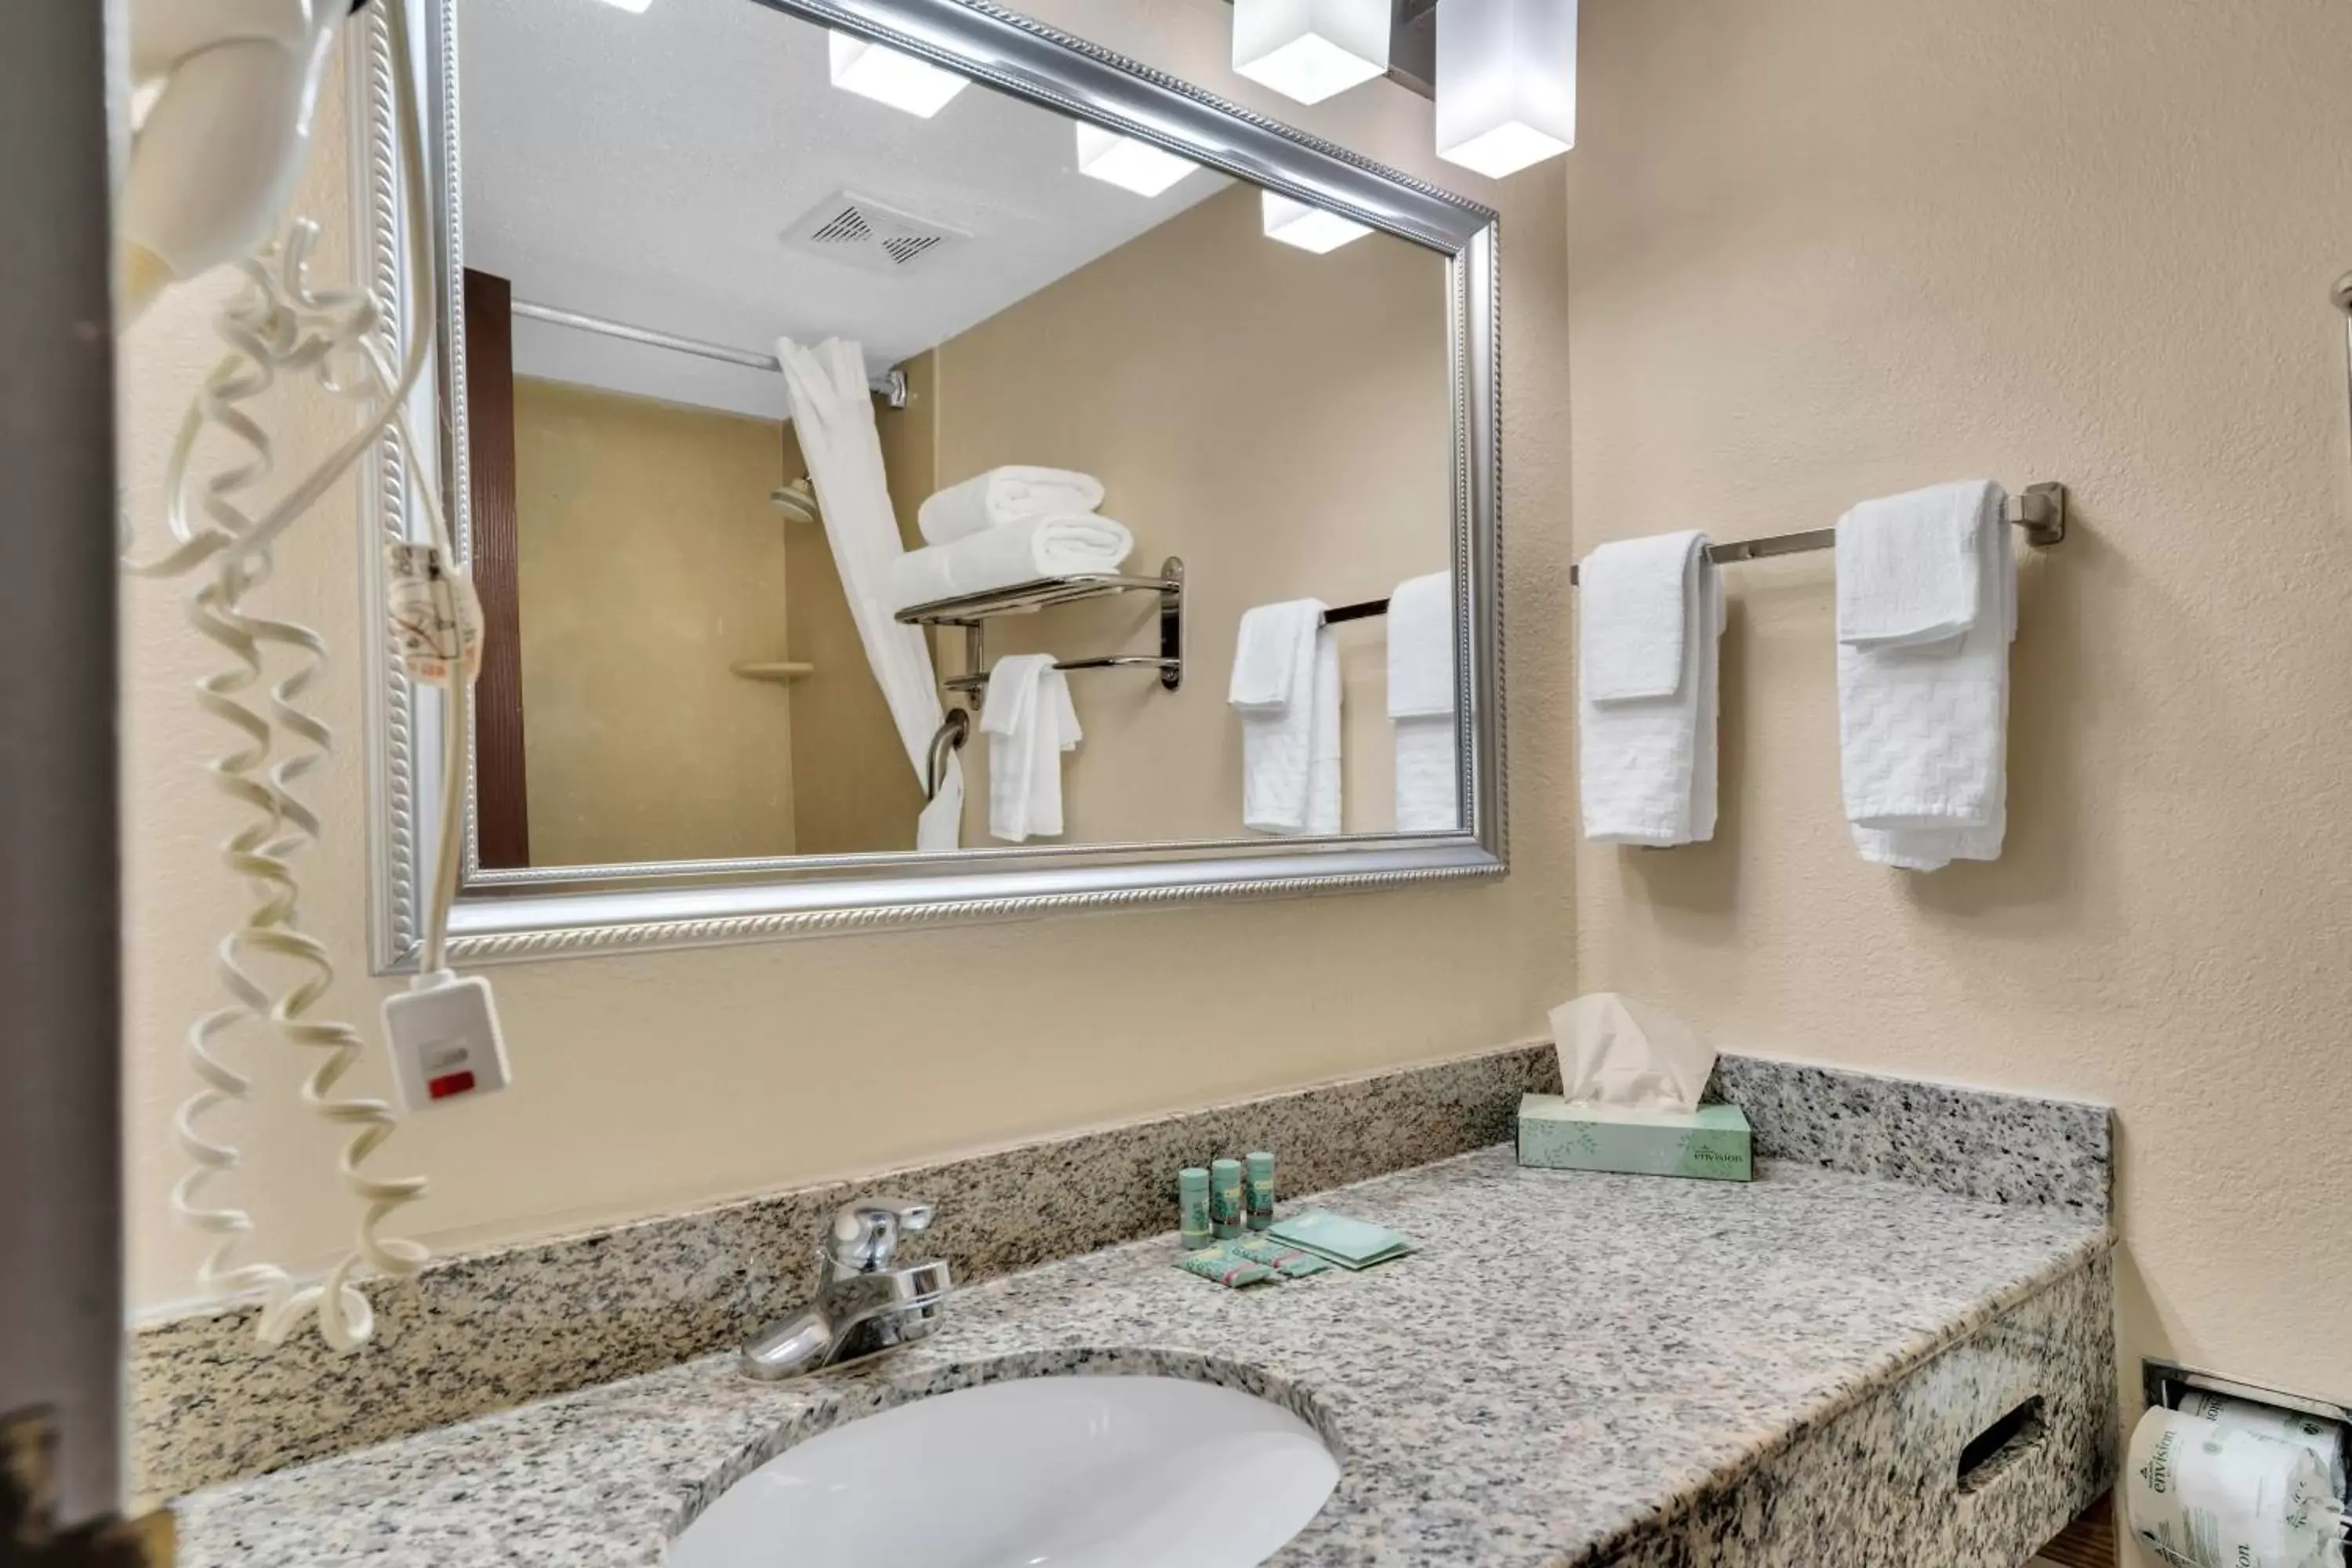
(1616, 1051)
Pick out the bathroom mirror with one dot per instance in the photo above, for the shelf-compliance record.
(845, 403)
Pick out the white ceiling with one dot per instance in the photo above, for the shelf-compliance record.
(645, 168)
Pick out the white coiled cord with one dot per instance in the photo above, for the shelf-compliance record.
(279, 325)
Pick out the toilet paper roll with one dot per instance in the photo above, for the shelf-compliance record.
(2216, 1497)
(2324, 1439)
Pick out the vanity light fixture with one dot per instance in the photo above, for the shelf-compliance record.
(636, 5)
(889, 75)
(1308, 228)
(1123, 160)
(1505, 82)
(1310, 49)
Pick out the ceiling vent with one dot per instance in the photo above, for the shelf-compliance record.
(871, 235)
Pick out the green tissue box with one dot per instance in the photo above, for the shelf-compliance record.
(1711, 1143)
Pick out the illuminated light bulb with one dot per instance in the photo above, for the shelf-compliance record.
(1123, 160)
(1310, 49)
(1505, 83)
(889, 75)
(1308, 228)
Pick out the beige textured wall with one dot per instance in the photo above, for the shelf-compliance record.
(1821, 250)
(1282, 421)
(650, 561)
(642, 1082)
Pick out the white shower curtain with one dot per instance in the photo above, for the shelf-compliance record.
(833, 415)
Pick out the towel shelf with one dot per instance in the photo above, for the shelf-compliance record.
(972, 612)
(2040, 510)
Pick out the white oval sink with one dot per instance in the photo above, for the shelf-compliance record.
(1041, 1472)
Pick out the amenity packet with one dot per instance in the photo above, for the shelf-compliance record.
(1224, 1265)
(1349, 1243)
(1290, 1262)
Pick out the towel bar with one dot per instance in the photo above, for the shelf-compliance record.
(2040, 510)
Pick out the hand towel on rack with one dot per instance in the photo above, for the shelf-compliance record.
(1030, 723)
(1420, 705)
(1923, 726)
(1062, 545)
(1005, 494)
(1649, 638)
(1285, 687)
(1907, 570)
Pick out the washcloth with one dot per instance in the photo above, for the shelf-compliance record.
(1062, 545)
(1005, 494)
(1420, 705)
(1922, 727)
(1650, 634)
(1285, 688)
(1029, 723)
(1907, 570)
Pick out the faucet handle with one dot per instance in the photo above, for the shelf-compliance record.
(864, 1234)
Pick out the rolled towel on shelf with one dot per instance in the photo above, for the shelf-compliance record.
(1923, 704)
(1286, 689)
(1003, 496)
(1421, 705)
(1649, 638)
(1063, 545)
(1029, 721)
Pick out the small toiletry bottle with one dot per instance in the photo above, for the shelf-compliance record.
(1192, 1207)
(1225, 1197)
(1259, 1187)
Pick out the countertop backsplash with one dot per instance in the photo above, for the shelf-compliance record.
(485, 1332)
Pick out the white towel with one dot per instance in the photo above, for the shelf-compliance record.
(1906, 566)
(1005, 494)
(1029, 723)
(1420, 705)
(1058, 546)
(1285, 687)
(1646, 733)
(1922, 727)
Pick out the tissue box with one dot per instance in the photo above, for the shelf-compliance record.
(1711, 1143)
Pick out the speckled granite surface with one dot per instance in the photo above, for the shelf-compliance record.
(1575, 1369)
(487, 1332)
(1977, 1142)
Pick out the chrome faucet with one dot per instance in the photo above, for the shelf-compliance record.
(867, 1301)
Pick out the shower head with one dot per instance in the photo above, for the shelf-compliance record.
(797, 501)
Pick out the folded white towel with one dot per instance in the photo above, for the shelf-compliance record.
(1290, 741)
(1635, 643)
(1005, 494)
(1647, 762)
(1420, 705)
(1029, 723)
(1922, 728)
(1057, 546)
(1907, 570)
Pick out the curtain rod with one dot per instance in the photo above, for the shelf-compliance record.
(891, 383)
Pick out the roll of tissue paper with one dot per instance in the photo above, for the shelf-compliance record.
(2225, 1413)
(2229, 1497)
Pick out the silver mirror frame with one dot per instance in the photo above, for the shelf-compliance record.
(507, 915)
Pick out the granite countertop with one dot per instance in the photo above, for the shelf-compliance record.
(1566, 1354)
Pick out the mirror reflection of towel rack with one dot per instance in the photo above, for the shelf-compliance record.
(972, 612)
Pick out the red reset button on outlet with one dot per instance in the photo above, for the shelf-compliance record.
(449, 1083)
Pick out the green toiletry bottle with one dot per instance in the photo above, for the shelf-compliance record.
(1225, 1198)
(1258, 1185)
(1193, 1209)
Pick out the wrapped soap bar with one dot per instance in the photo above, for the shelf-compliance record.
(1225, 1266)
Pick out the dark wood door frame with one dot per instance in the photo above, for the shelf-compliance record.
(503, 824)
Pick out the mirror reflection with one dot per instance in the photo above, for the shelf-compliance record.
(865, 460)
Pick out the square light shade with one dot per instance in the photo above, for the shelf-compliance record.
(889, 75)
(1310, 49)
(1308, 228)
(1505, 82)
(1139, 166)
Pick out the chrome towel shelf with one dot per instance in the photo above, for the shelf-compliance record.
(972, 612)
(2040, 510)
